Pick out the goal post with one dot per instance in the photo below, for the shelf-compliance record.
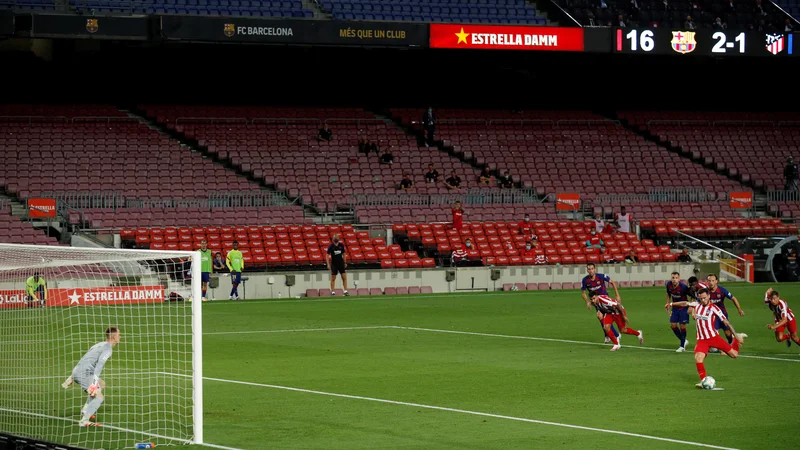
(57, 302)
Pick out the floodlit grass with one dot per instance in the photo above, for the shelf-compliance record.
(468, 371)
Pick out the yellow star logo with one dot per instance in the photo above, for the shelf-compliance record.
(462, 37)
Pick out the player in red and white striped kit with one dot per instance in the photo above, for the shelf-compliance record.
(610, 311)
(784, 318)
(705, 315)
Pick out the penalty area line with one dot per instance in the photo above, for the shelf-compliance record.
(567, 341)
(298, 330)
(127, 430)
(468, 412)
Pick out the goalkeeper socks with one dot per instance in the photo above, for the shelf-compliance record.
(93, 406)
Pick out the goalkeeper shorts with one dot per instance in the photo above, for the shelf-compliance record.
(83, 380)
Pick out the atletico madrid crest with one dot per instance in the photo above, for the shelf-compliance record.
(683, 42)
(92, 25)
(774, 43)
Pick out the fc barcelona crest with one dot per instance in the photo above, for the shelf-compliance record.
(91, 25)
(683, 42)
(230, 29)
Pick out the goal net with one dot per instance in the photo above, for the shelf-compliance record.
(153, 379)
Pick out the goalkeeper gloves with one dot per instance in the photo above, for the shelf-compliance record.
(94, 388)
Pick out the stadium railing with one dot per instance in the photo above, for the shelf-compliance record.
(82, 200)
(739, 269)
(783, 196)
(471, 197)
(657, 195)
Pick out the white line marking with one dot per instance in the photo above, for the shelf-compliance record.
(111, 427)
(567, 341)
(472, 333)
(297, 330)
(464, 411)
(261, 301)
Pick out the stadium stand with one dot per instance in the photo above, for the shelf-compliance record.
(750, 147)
(280, 147)
(719, 228)
(542, 149)
(442, 213)
(792, 7)
(675, 14)
(28, 5)
(15, 231)
(455, 11)
(499, 243)
(235, 8)
(62, 149)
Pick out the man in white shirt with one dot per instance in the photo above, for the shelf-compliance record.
(623, 221)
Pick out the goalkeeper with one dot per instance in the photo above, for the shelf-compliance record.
(87, 374)
(36, 289)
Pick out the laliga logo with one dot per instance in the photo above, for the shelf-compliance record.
(742, 199)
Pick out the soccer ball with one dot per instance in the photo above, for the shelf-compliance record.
(514, 288)
(708, 383)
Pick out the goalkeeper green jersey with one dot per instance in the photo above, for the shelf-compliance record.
(31, 285)
(206, 261)
(235, 261)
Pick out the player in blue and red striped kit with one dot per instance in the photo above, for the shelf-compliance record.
(596, 282)
(678, 292)
(718, 294)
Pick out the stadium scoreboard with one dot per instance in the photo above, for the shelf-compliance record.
(660, 41)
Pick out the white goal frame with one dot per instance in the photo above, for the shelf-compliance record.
(196, 301)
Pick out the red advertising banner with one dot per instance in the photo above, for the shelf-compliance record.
(123, 295)
(568, 202)
(41, 207)
(741, 200)
(498, 37)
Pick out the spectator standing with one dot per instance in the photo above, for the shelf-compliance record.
(623, 221)
(458, 216)
(429, 123)
(599, 223)
(791, 173)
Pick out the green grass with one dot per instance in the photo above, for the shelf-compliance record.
(640, 391)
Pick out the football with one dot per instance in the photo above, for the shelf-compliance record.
(708, 383)
(514, 288)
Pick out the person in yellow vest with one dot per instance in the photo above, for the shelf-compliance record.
(235, 262)
(36, 288)
(206, 266)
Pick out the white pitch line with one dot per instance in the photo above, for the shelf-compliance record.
(298, 330)
(111, 427)
(472, 333)
(464, 411)
(567, 341)
(351, 298)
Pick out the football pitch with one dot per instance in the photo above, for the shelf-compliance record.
(488, 370)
